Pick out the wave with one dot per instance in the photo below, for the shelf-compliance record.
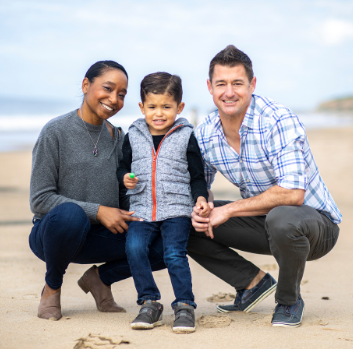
(30, 123)
(20, 132)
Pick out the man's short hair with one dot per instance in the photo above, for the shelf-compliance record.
(161, 83)
(231, 57)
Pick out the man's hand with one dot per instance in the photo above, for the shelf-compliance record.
(130, 183)
(218, 216)
(115, 219)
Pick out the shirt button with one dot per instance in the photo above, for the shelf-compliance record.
(241, 161)
(248, 180)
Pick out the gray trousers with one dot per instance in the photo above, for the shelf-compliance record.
(292, 234)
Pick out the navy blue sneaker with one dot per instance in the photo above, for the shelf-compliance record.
(288, 315)
(247, 299)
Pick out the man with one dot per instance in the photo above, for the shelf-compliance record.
(261, 147)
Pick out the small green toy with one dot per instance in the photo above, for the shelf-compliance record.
(132, 175)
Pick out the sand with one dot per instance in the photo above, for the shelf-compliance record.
(327, 323)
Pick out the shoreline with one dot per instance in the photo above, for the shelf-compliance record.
(22, 135)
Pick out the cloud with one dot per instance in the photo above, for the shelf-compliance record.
(335, 31)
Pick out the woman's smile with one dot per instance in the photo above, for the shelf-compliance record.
(107, 107)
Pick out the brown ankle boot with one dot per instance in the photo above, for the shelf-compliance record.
(102, 294)
(50, 308)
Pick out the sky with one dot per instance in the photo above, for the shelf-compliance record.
(302, 51)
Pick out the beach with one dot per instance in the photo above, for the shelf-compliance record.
(327, 286)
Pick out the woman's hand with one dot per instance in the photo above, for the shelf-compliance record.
(115, 219)
(130, 183)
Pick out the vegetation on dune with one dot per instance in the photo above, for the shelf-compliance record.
(340, 104)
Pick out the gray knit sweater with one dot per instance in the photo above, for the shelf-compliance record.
(65, 170)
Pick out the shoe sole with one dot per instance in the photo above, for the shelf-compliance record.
(287, 324)
(253, 304)
(53, 318)
(145, 325)
(182, 329)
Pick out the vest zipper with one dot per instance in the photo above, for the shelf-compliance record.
(154, 165)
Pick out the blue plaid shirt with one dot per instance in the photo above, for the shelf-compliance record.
(274, 150)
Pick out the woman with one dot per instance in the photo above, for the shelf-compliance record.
(74, 194)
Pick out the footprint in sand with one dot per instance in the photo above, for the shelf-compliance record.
(214, 321)
(97, 341)
(221, 297)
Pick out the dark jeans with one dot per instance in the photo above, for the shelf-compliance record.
(292, 234)
(175, 234)
(65, 236)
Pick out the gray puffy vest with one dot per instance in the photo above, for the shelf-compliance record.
(163, 190)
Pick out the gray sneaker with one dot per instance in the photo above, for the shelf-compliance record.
(184, 318)
(288, 315)
(150, 315)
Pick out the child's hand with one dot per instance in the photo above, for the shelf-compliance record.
(203, 205)
(130, 183)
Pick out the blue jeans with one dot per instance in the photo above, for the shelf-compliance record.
(65, 235)
(141, 236)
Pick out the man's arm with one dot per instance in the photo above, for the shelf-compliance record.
(258, 205)
(255, 206)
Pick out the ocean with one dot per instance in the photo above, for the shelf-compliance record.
(22, 120)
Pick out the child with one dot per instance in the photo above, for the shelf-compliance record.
(167, 179)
